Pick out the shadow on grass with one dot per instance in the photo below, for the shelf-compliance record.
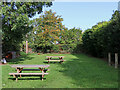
(19, 59)
(30, 77)
(89, 72)
(27, 79)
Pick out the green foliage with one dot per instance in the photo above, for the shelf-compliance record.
(71, 36)
(15, 21)
(23, 53)
(56, 48)
(70, 48)
(103, 37)
(46, 31)
(71, 39)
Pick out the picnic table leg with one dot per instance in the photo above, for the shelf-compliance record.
(61, 58)
(16, 78)
(18, 70)
(42, 77)
(42, 69)
(61, 62)
(49, 59)
(20, 76)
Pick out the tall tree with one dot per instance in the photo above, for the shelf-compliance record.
(47, 29)
(15, 21)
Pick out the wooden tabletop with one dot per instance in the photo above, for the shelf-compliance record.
(30, 66)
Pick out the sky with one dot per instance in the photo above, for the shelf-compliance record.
(82, 15)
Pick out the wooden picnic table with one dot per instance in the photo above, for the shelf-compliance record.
(19, 69)
(60, 57)
(50, 58)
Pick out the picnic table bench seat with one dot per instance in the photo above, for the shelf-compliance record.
(60, 59)
(54, 56)
(55, 60)
(16, 74)
(29, 66)
(34, 70)
(28, 73)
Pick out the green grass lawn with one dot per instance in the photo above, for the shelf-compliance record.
(78, 71)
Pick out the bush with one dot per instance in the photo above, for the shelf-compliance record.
(103, 37)
(55, 48)
(72, 48)
(22, 53)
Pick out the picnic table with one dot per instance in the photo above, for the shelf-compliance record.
(50, 58)
(19, 69)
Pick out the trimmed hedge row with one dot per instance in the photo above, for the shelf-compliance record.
(103, 37)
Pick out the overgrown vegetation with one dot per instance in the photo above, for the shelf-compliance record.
(103, 37)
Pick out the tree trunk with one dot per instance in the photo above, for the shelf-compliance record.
(26, 46)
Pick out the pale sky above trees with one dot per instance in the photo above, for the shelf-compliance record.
(83, 14)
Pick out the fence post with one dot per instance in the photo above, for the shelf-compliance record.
(109, 59)
(116, 60)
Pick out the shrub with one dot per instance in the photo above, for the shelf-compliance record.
(55, 48)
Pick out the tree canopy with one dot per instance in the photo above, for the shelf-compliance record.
(15, 21)
(46, 29)
(49, 31)
(71, 36)
(103, 37)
